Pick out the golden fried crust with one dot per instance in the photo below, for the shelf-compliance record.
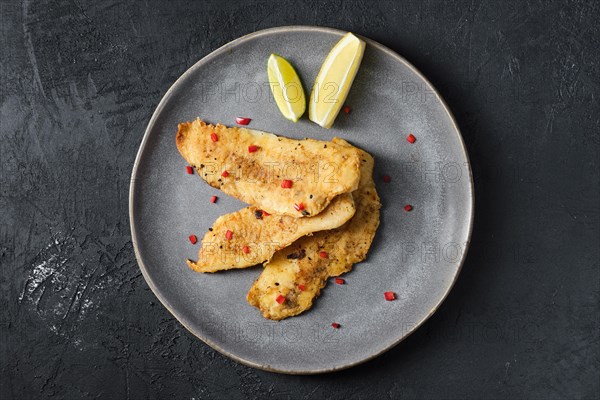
(261, 236)
(344, 246)
(319, 170)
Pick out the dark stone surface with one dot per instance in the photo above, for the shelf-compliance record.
(79, 81)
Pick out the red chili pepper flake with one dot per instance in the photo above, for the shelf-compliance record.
(193, 239)
(387, 179)
(246, 249)
(408, 207)
(390, 296)
(252, 149)
(323, 254)
(228, 234)
(189, 169)
(280, 299)
(340, 281)
(346, 109)
(214, 137)
(265, 214)
(287, 184)
(224, 174)
(242, 120)
(213, 199)
(411, 138)
(336, 325)
(302, 288)
(299, 206)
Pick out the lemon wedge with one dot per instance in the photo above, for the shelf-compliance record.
(335, 79)
(286, 87)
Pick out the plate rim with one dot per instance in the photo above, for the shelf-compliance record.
(156, 291)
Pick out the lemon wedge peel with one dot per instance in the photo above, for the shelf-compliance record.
(346, 56)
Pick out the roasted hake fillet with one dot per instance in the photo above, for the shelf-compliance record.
(298, 178)
(300, 271)
(249, 237)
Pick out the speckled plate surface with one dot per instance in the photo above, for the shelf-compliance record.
(416, 254)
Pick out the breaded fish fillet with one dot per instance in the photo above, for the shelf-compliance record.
(300, 271)
(249, 237)
(280, 175)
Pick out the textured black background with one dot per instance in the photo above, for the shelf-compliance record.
(79, 81)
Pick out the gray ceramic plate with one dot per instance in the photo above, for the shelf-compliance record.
(416, 254)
